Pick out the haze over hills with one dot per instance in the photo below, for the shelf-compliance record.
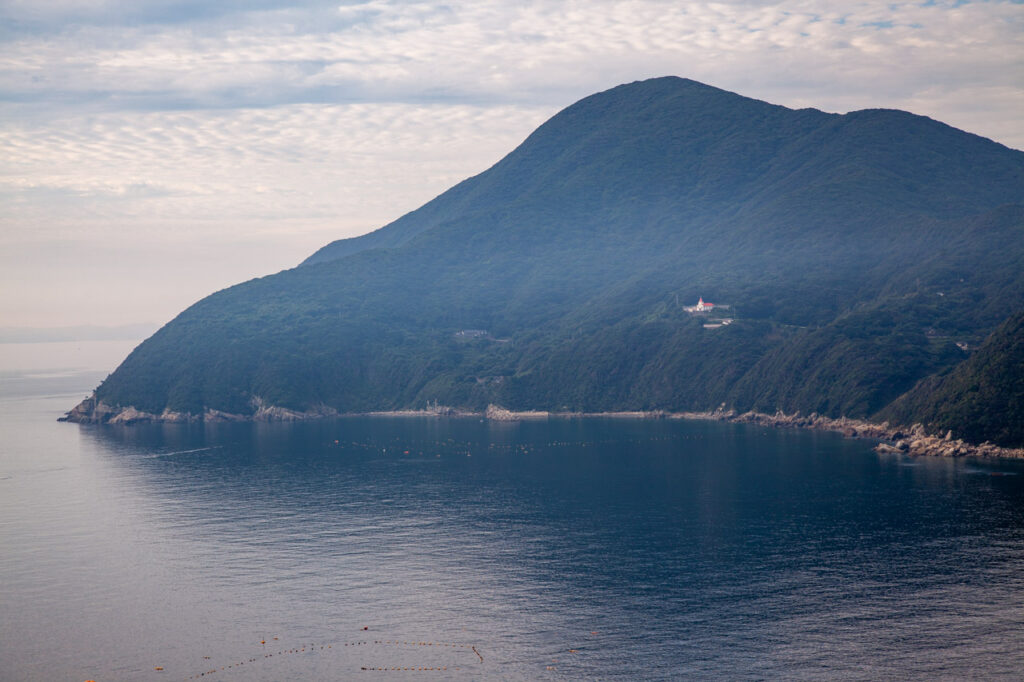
(854, 253)
(76, 333)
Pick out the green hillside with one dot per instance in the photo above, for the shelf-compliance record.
(982, 399)
(854, 252)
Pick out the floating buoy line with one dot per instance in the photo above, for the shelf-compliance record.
(316, 648)
(380, 643)
(452, 447)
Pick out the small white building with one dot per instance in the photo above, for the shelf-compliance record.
(701, 307)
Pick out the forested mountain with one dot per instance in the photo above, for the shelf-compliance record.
(854, 252)
(982, 398)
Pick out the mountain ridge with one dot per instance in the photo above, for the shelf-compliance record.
(398, 232)
(831, 235)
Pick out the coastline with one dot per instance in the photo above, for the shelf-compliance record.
(913, 440)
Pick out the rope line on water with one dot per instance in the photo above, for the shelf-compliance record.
(311, 648)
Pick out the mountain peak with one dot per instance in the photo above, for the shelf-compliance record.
(851, 256)
(712, 150)
(658, 136)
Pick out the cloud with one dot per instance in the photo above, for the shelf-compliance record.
(315, 169)
(287, 124)
(487, 52)
(56, 16)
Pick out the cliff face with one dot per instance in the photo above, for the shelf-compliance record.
(93, 411)
(89, 411)
(855, 251)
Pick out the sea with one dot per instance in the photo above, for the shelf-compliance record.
(462, 549)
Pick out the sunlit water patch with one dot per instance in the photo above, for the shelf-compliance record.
(462, 549)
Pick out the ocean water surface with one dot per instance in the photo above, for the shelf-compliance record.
(364, 548)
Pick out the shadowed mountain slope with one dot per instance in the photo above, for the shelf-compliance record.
(675, 142)
(854, 251)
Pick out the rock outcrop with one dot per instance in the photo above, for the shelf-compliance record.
(917, 442)
(93, 411)
(130, 415)
(500, 414)
(913, 441)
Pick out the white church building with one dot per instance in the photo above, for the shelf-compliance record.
(701, 307)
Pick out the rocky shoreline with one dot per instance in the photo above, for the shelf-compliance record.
(91, 411)
(913, 440)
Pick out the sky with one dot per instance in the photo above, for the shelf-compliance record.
(155, 151)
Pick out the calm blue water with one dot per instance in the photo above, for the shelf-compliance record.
(572, 549)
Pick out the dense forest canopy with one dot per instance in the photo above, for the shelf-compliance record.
(852, 256)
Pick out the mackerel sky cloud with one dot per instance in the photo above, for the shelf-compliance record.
(154, 151)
